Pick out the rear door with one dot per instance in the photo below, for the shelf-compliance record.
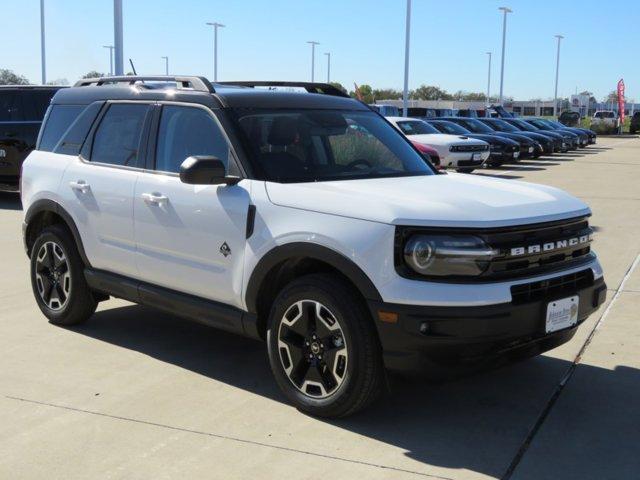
(190, 238)
(99, 185)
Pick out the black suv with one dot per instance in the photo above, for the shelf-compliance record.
(22, 109)
(634, 126)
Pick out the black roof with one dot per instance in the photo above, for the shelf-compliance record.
(199, 90)
(32, 87)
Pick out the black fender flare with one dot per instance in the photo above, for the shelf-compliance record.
(312, 251)
(46, 205)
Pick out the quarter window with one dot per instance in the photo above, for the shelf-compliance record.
(185, 132)
(60, 119)
(118, 138)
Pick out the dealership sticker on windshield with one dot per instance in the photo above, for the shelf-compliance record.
(562, 314)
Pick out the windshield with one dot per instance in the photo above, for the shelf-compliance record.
(522, 125)
(501, 126)
(319, 145)
(604, 115)
(416, 127)
(556, 124)
(475, 126)
(540, 124)
(450, 128)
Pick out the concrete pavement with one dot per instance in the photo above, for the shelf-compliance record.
(139, 394)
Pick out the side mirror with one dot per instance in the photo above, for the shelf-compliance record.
(205, 170)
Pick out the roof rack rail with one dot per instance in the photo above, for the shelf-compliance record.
(200, 84)
(311, 87)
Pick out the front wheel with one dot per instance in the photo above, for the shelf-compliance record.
(323, 348)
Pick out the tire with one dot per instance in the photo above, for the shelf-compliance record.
(56, 268)
(465, 170)
(356, 377)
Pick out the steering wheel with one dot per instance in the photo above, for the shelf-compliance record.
(359, 162)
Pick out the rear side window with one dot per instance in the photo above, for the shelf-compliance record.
(117, 140)
(27, 105)
(187, 131)
(59, 120)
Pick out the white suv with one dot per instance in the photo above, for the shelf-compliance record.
(304, 219)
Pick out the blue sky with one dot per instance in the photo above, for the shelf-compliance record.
(267, 40)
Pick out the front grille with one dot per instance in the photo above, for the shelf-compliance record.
(520, 251)
(469, 148)
(525, 240)
(552, 288)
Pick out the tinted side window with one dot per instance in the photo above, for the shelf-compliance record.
(118, 137)
(187, 131)
(60, 119)
(28, 105)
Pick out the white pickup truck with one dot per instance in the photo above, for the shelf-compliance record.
(605, 121)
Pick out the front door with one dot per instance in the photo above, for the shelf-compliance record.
(190, 238)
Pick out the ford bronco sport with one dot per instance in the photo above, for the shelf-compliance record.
(300, 218)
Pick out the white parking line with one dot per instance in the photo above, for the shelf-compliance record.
(619, 291)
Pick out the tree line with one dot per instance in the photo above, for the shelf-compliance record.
(423, 92)
(366, 92)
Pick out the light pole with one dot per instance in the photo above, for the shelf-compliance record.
(166, 65)
(117, 37)
(110, 47)
(405, 91)
(313, 58)
(486, 111)
(42, 49)
(504, 37)
(555, 95)
(215, 26)
(328, 54)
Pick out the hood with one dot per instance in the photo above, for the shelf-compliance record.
(516, 137)
(497, 139)
(451, 200)
(535, 136)
(442, 139)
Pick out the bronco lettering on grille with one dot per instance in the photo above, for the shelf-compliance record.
(551, 246)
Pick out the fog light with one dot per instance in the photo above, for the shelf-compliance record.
(424, 328)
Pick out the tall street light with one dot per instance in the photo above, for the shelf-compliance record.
(117, 37)
(313, 58)
(215, 26)
(166, 65)
(555, 96)
(42, 49)
(504, 37)
(405, 91)
(328, 54)
(110, 47)
(486, 111)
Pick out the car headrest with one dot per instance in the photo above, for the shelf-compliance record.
(283, 131)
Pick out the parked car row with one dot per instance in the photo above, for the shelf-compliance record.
(505, 140)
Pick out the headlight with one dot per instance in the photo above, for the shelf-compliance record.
(446, 255)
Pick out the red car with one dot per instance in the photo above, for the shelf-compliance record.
(430, 151)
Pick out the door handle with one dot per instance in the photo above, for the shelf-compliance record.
(154, 198)
(80, 186)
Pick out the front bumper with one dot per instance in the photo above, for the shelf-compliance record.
(427, 336)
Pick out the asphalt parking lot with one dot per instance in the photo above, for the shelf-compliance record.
(139, 394)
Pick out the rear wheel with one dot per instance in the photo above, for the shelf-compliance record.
(57, 278)
(323, 348)
(465, 170)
